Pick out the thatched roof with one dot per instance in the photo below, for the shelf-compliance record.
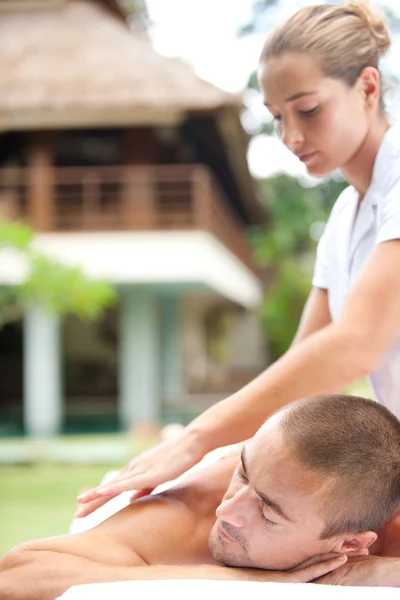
(81, 59)
(76, 63)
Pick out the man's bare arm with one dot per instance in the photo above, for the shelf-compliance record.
(161, 529)
(44, 575)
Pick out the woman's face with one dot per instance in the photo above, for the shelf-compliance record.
(321, 120)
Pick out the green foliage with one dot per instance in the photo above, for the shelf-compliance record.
(137, 11)
(258, 10)
(283, 304)
(56, 287)
(15, 235)
(286, 249)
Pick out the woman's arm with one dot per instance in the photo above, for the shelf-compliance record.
(181, 451)
(316, 315)
(322, 360)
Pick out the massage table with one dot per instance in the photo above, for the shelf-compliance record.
(230, 590)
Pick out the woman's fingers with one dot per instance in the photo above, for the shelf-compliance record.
(163, 463)
(85, 509)
(137, 484)
(140, 493)
(316, 570)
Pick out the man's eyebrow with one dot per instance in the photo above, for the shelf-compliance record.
(270, 503)
(294, 97)
(243, 459)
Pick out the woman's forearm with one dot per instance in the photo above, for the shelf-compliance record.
(323, 363)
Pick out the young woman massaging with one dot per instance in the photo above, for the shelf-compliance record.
(319, 74)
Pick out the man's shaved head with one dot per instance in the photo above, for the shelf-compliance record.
(321, 475)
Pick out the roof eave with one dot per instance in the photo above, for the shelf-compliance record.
(69, 118)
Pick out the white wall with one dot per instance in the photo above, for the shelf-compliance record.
(194, 257)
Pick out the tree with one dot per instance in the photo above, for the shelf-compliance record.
(55, 287)
(286, 251)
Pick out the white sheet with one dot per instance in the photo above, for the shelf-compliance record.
(215, 590)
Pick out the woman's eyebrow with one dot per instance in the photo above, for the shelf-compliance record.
(299, 95)
(294, 97)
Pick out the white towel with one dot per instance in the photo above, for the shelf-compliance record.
(234, 590)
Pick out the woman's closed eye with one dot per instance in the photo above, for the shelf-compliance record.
(309, 113)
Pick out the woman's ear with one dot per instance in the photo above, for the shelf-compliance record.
(355, 545)
(369, 83)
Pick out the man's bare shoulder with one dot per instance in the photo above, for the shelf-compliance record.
(173, 526)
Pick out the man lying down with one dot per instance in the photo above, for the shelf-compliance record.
(319, 480)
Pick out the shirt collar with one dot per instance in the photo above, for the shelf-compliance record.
(389, 146)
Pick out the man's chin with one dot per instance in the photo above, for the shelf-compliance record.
(221, 554)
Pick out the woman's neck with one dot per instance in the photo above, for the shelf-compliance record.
(358, 172)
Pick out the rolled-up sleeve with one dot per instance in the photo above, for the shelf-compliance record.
(389, 215)
(321, 268)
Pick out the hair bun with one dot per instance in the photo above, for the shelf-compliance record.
(373, 20)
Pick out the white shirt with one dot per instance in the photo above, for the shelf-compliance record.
(347, 243)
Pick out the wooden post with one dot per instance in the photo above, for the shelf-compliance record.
(91, 216)
(202, 195)
(40, 182)
(138, 200)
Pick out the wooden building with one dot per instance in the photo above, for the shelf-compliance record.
(129, 165)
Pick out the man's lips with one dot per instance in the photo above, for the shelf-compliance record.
(222, 533)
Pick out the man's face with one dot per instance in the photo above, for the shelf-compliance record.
(271, 515)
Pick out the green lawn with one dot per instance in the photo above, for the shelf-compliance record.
(39, 500)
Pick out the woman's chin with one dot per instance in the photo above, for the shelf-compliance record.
(320, 171)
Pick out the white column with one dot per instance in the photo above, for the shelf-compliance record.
(139, 364)
(171, 351)
(43, 403)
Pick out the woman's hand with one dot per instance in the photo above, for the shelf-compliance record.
(162, 463)
(367, 571)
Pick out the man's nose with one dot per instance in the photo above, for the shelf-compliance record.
(235, 509)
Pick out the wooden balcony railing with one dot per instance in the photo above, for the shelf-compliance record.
(154, 197)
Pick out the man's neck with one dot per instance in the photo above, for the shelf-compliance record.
(388, 541)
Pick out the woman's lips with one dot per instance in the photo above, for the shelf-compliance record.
(306, 156)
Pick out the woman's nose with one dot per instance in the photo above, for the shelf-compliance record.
(291, 136)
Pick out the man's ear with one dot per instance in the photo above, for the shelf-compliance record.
(356, 544)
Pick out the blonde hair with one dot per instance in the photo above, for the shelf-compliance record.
(345, 38)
